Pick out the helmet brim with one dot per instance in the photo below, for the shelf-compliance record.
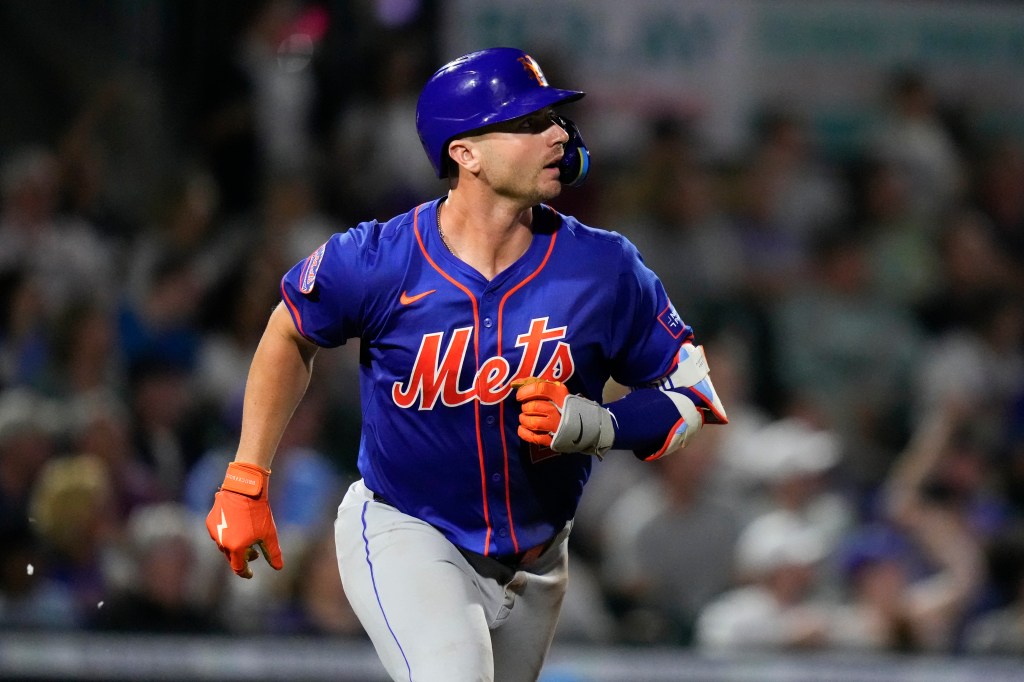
(521, 105)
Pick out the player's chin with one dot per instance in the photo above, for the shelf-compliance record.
(550, 183)
(546, 194)
(541, 188)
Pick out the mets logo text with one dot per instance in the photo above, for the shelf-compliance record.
(436, 375)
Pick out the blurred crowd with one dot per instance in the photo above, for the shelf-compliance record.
(863, 317)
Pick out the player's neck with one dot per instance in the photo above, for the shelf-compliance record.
(489, 237)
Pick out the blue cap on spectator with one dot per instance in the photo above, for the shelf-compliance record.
(870, 545)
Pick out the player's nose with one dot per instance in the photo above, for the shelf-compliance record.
(557, 135)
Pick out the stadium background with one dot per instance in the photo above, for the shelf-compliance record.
(162, 163)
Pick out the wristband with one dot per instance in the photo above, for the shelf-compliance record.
(245, 479)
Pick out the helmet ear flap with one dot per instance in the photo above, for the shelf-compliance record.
(575, 164)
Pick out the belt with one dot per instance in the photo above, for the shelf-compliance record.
(500, 567)
(525, 557)
(503, 567)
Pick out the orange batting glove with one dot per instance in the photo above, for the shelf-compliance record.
(553, 418)
(240, 519)
(541, 404)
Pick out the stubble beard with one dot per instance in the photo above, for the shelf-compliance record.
(537, 191)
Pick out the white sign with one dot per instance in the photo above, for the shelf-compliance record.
(718, 61)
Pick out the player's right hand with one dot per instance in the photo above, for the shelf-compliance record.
(240, 520)
(551, 417)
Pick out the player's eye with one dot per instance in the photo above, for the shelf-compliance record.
(528, 123)
(535, 123)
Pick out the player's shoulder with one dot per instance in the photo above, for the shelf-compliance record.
(374, 235)
(598, 240)
(377, 248)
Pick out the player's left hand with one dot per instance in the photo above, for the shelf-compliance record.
(553, 418)
(240, 520)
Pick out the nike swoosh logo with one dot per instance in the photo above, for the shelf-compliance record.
(406, 299)
(579, 437)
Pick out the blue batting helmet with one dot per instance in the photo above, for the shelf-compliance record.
(487, 87)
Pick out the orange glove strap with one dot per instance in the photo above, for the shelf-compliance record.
(245, 479)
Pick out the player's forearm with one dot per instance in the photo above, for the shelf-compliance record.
(654, 421)
(278, 377)
(644, 419)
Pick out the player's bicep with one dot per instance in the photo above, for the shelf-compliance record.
(646, 329)
(282, 326)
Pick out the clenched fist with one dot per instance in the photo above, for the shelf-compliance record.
(553, 418)
(240, 520)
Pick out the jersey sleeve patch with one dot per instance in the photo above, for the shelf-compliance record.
(307, 276)
(671, 321)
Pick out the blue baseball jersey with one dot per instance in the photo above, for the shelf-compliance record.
(441, 346)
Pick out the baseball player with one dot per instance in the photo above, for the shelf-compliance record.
(488, 326)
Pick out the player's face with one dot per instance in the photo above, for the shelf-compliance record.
(520, 157)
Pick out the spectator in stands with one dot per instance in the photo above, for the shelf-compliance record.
(808, 195)
(980, 362)
(100, 424)
(372, 137)
(84, 359)
(157, 597)
(877, 564)
(913, 136)
(973, 270)
(168, 426)
(673, 204)
(1000, 631)
(794, 466)
(899, 241)
(669, 546)
(830, 355)
(914, 579)
(161, 327)
(180, 272)
(314, 601)
(998, 180)
(777, 560)
(774, 259)
(25, 344)
(29, 600)
(226, 348)
(29, 426)
(72, 509)
(64, 253)
(293, 223)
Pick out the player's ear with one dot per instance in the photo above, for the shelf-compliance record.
(464, 153)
